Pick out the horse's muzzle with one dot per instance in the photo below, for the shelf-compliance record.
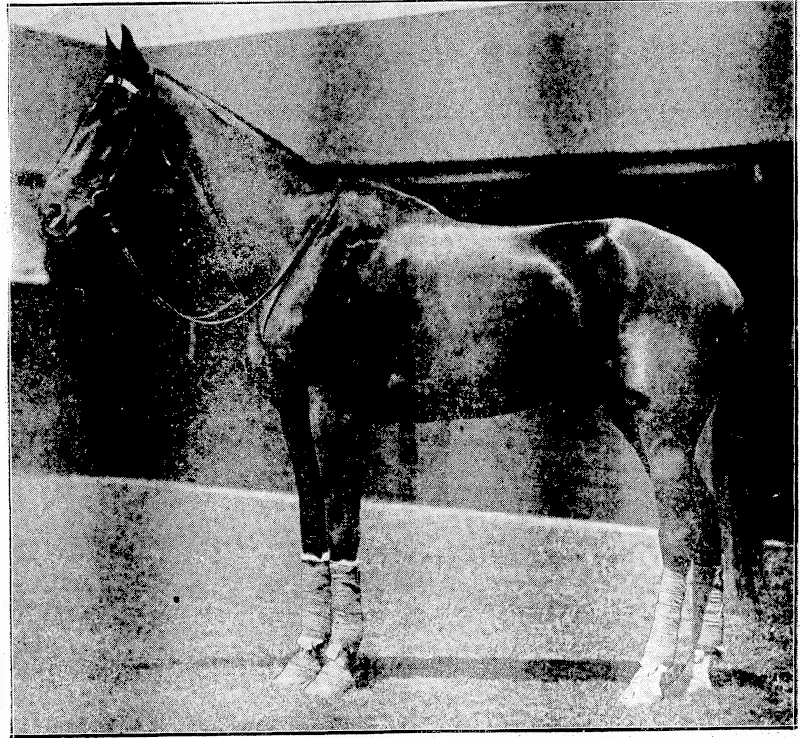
(52, 222)
(59, 220)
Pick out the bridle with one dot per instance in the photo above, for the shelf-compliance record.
(309, 235)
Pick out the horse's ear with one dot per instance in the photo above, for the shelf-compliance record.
(113, 57)
(134, 67)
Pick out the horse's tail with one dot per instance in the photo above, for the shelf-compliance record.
(732, 459)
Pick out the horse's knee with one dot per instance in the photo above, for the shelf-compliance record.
(670, 464)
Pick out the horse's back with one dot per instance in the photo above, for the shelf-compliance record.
(646, 303)
(672, 273)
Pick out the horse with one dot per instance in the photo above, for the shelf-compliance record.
(367, 305)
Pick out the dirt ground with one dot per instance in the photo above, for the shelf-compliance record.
(155, 607)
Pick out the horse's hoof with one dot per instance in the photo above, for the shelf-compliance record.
(700, 683)
(645, 687)
(301, 670)
(333, 680)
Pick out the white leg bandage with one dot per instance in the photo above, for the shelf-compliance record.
(708, 615)
(663, 640)
(347, 629)
(316, 608)
(645, 687)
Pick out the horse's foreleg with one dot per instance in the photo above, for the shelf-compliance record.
(342, 444)
(315, 627)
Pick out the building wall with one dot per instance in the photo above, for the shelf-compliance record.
(507, 81)
(511, 81)
(50, 81)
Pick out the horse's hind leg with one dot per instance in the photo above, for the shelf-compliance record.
(707, 579)
(682, 507)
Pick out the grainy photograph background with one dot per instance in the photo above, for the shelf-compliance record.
(167, 605)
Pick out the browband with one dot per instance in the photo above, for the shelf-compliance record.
(114, 79)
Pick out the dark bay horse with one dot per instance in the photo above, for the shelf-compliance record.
(369, 306)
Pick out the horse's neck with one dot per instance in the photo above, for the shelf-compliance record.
(264, 205)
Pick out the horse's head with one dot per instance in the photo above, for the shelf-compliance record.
(103, 139)
(184, 182)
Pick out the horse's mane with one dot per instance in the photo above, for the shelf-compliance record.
(296, 166)
(227, 185)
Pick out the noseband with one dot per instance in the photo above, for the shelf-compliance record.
(210, 318)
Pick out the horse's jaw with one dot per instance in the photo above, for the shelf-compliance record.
(79, 251)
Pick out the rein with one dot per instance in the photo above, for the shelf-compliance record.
(209, 318)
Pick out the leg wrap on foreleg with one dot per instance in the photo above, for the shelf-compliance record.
(663, 640)
(347, 630)
(707, 627)
(315, 623)
(708, 615)
(315, 626)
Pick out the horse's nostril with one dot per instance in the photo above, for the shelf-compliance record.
(97, 198)
(52, 212)
(52, 217)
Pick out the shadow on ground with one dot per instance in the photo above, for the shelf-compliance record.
(372, 669)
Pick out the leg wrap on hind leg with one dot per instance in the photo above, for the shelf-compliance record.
(708, 603)
(663, 640)
(316, 609)
(347, 629)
